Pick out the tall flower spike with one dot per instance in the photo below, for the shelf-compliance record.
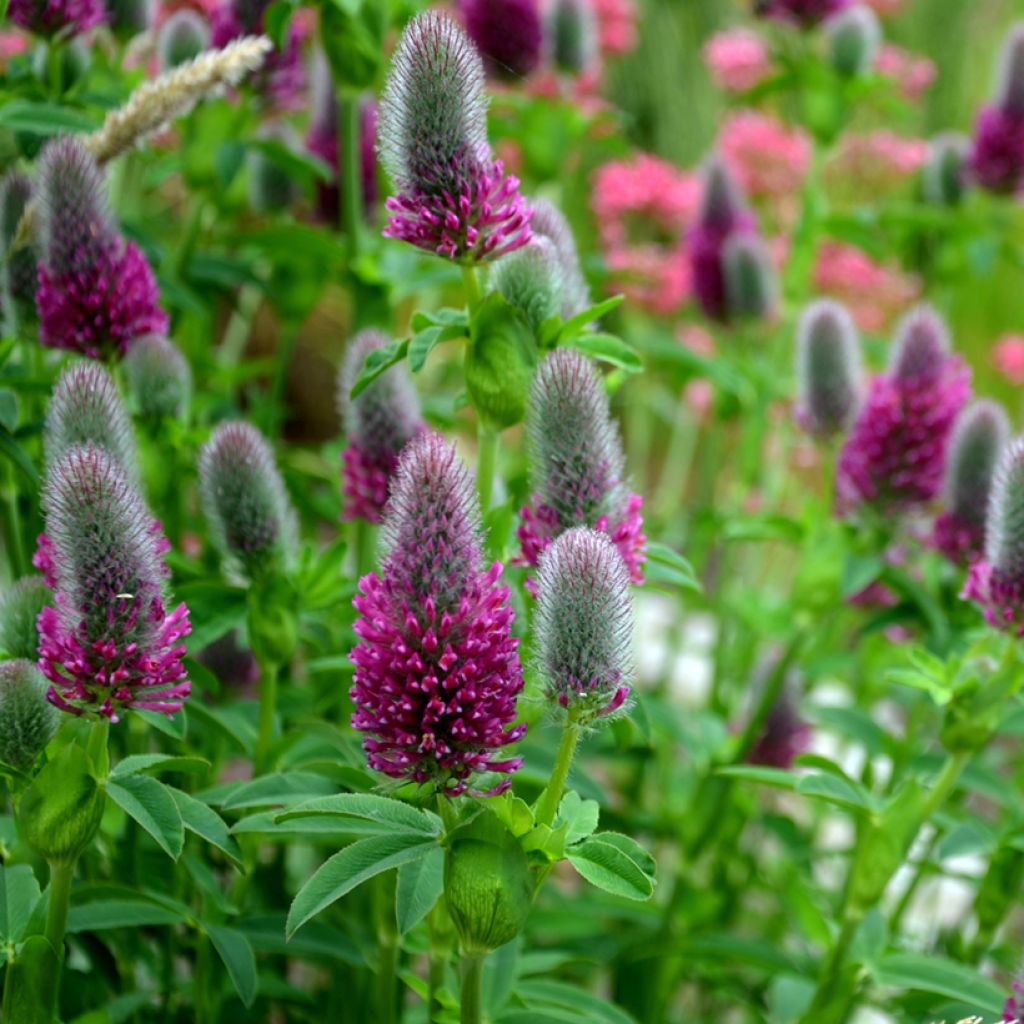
(251, 520)
(20, 606)
(549, 222)
(379, 423)
(531, 280)
(854, 39)
(573, 36)
(437, 672)
(750, 285)
(48, 17)
(576, 463)
(28, 721)
(159, 377)
(828, 368)
(128, 18)
(96, 291)
(804, 13)
(453, 197)
(944, 175)
(182, 37)
(997, 157)
(17, 268)
(895, 455)
(584, 624)
(981, 434)
(107, 642)
(86, 407)
(723, 214)
(508, 34)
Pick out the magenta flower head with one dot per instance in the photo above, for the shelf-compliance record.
(895, 455)
(453, 197)
(508, 33)
(549, 222)
(981, 434)
(96, 292)
(1013, 1010)
(17, 268)
(48, 17)
(828, 368)
(107, 643)
(996, 582)
(804, 13)
(584, 624)
(182, 37)
(723, 214)
(379, 422)
(997, 157)
(750, 285)
(251, 520)
(576, 463)
(20, 605)
(28, 721)
(944, 177)
(159, 377)
(572, 32)
(437, 671)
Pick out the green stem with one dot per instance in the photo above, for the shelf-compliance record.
(351, 171)
(547, 805)
(57, 907)
(268, 705)
(96, 745)
(487, 461)
(54, 71)
(435, 982)
(276, 407)
(831, 975)
(13, 540)
(472, 1001)
(471, 282)
(944, 785)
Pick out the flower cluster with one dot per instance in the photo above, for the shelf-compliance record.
(997, 157)
(828, 368)
(509, 35)
(48, 17)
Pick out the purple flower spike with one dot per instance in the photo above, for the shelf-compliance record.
(895, 455)
(96, 292)
(577, 465)
(437, 671)
(997, 157)
(981, 434)
(828, 368)
(453, 197)
(804, 13)
(996, 581)
(107, 643)
(723, 214)
(509, 34)
(584, 624)
(379, 423)
(48, 17)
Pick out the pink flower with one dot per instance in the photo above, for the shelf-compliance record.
(1008, 357)
(616, 25)
(873, 293)
(769, 159)
(912, 74)
(738, 60)
(876, 160)
(884, 8)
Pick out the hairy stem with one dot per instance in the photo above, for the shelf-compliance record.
(547, 805)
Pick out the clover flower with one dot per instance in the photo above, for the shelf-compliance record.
(509, 35)
(158, 377)
(828, 368)
(48, 17)
(20, 605)
(28, 721)
(997, 157)
(804, 13)
(549, 222)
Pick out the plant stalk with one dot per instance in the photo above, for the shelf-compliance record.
(547, 805)
(472, 1001)
(57, 906)
(487, 462)
(268, 705)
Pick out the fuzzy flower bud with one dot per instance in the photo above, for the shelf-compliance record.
(723, 213)
(96, 291)
(981, 434)
(531, 280)
(576, 463)
(379, 423)
(453, 198)
(828, 368)
(750, 285)
(573, 36)
(17, 268)
(107, 642)
(251, 520)
(183, 36)
(437, 671)
(508, 34)
(549, 222)
(86, 408)
(804, 13)
(128, 18)
(20, 606)
(584, 624)
(997, 157)
(854, 39)
(159, 377)
(944, 176)
(28, 721)
(48, 17)
(895, 455)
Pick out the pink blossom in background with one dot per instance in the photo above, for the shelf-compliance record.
(616, 25)
(738, 60)
(1008, 357)
(165, 8)
(875, 160)
(912, 73)
(875, 294)
(884, 8)
(769, 159)
(699, 393)
(11, 44)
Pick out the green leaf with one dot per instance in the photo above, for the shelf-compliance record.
(19, 894)
(10, 447)
(206, 823)
(236, 952)
(580, 815)
(353, 866)
(761, 774)
(425, 341)
(609, 865)
(377, 361)
(420, 884)
(931, 973)
(30, 994)
(608, 349)
(279, 788)
(303, 167)
(581, 321)
(150, 803)
(44, 118)
(99, 915)
(375, 808)
(136, 764)
(549, 995)
(665, 566)
(837, 790)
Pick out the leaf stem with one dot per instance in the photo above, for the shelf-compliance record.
(472, 1001)
(350, 171)
(547, 805)
(471, 283)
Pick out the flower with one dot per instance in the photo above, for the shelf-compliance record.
(981, 433)
(107, 642)
(768, 159)
(584, 624)
(997, 159)
(804, 13)
(549, 222)
(379, 423)
(617, 31)
(572, 34)
(437, 670)
(854, 38)
(875, 161)
(96, 292)
(828, 368)
(738, 60)
(509, 35)
(158, 377)
(181, 38)
(911, 73)
(1008, 357)
(895, 455)
(944, 179)
(20, 605)
(873, 292)
(785, 735)
(453, 197)
(28, 721)
(531, 280)
(576, 463)
(750, 285)
(1013, 1010)
(996, 582)
(48, 17)
(17, 267)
